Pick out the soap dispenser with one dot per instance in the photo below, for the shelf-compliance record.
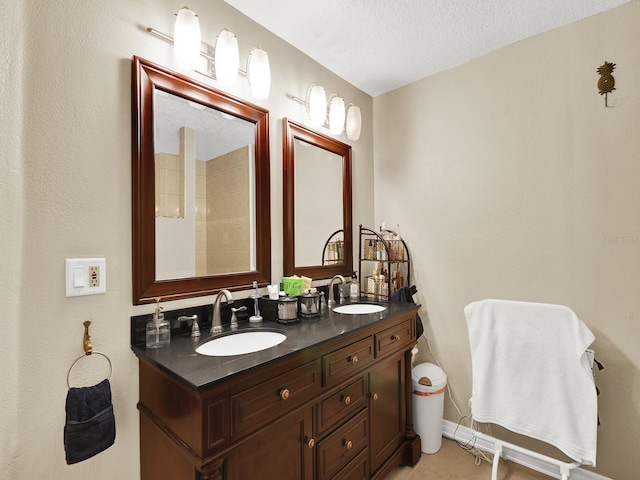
(158, 329)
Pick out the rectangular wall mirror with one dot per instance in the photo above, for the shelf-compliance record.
(201, 195)
(318, 230)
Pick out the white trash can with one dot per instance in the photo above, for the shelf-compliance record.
(429, 382)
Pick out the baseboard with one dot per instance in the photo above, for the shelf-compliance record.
(464, 434)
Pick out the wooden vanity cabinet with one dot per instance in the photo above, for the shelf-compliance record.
(386, 409)
(340, 410)
(283, 450)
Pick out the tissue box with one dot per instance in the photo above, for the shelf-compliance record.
(292, 286)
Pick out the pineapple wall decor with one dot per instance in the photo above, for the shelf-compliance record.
(606, 83)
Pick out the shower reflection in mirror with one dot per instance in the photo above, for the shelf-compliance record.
(204, 179)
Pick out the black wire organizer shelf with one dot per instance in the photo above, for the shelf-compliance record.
(333, 251)
(384, 263)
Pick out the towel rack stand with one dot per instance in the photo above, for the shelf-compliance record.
(88, 350)
(499, 447)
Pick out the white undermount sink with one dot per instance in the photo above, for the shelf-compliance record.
(239, 343)
(359, 308)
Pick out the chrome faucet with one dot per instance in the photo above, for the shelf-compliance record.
(331, 300)
(216, 324)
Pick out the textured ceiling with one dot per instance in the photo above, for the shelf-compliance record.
(381, 45)
(216, 133)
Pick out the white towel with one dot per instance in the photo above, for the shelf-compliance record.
(531, 373)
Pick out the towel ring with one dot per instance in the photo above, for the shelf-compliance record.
(88, 350)
(84, 356)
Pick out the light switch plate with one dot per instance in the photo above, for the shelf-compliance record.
(81, 273)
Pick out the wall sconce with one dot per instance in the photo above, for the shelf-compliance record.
(225, 59)
(316, 104)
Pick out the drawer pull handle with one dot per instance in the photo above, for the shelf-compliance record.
(348, 444)
(311, 443)
(374, 396)
(346, 400)
(353, 360)
(395, 338)
(284, 394)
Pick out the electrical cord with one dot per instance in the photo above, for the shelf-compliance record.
(469, 445)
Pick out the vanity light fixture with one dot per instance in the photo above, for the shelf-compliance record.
(187, 38)
(227, 58)
(224, 61)
(259, 73)
(316, 104)
(336, 115)
(354, 122)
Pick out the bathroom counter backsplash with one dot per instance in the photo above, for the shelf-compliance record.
(180, 360)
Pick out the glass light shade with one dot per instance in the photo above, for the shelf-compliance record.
(336, 115)
(259, 73)
(354, 122)
(186, 39)
(227, 58)
(317, 105)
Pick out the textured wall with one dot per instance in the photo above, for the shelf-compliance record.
(65, 192)
(510, 179)
(11, 231)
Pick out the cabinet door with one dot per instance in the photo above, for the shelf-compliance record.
(386, 409)
(282, 450)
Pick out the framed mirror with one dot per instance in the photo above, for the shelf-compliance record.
(317, 203)
(201, 218)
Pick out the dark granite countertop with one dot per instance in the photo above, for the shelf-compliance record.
(180, 360)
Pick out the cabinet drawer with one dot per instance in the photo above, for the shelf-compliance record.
(394, 338)
(341, 405)
(358, 468)
(342, 363)
(268, 400)
(342, 446)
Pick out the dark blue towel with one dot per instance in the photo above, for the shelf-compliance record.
(405, 294)
(90, 427)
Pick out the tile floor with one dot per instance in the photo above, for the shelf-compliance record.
(453, 463)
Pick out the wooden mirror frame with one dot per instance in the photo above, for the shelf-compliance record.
(291, 132)
(146, 77)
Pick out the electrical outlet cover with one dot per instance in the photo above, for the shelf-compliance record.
(86, 276)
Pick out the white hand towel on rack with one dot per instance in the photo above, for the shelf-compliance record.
(531, 373)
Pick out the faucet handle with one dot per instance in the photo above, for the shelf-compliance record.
(234, 318)
(189, 319)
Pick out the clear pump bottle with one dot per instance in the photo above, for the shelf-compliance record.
(158, 329)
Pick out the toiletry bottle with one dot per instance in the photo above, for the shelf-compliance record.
(355, 287)
(400, 245)
(158, 329)
(195, 328)
(384, 254)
